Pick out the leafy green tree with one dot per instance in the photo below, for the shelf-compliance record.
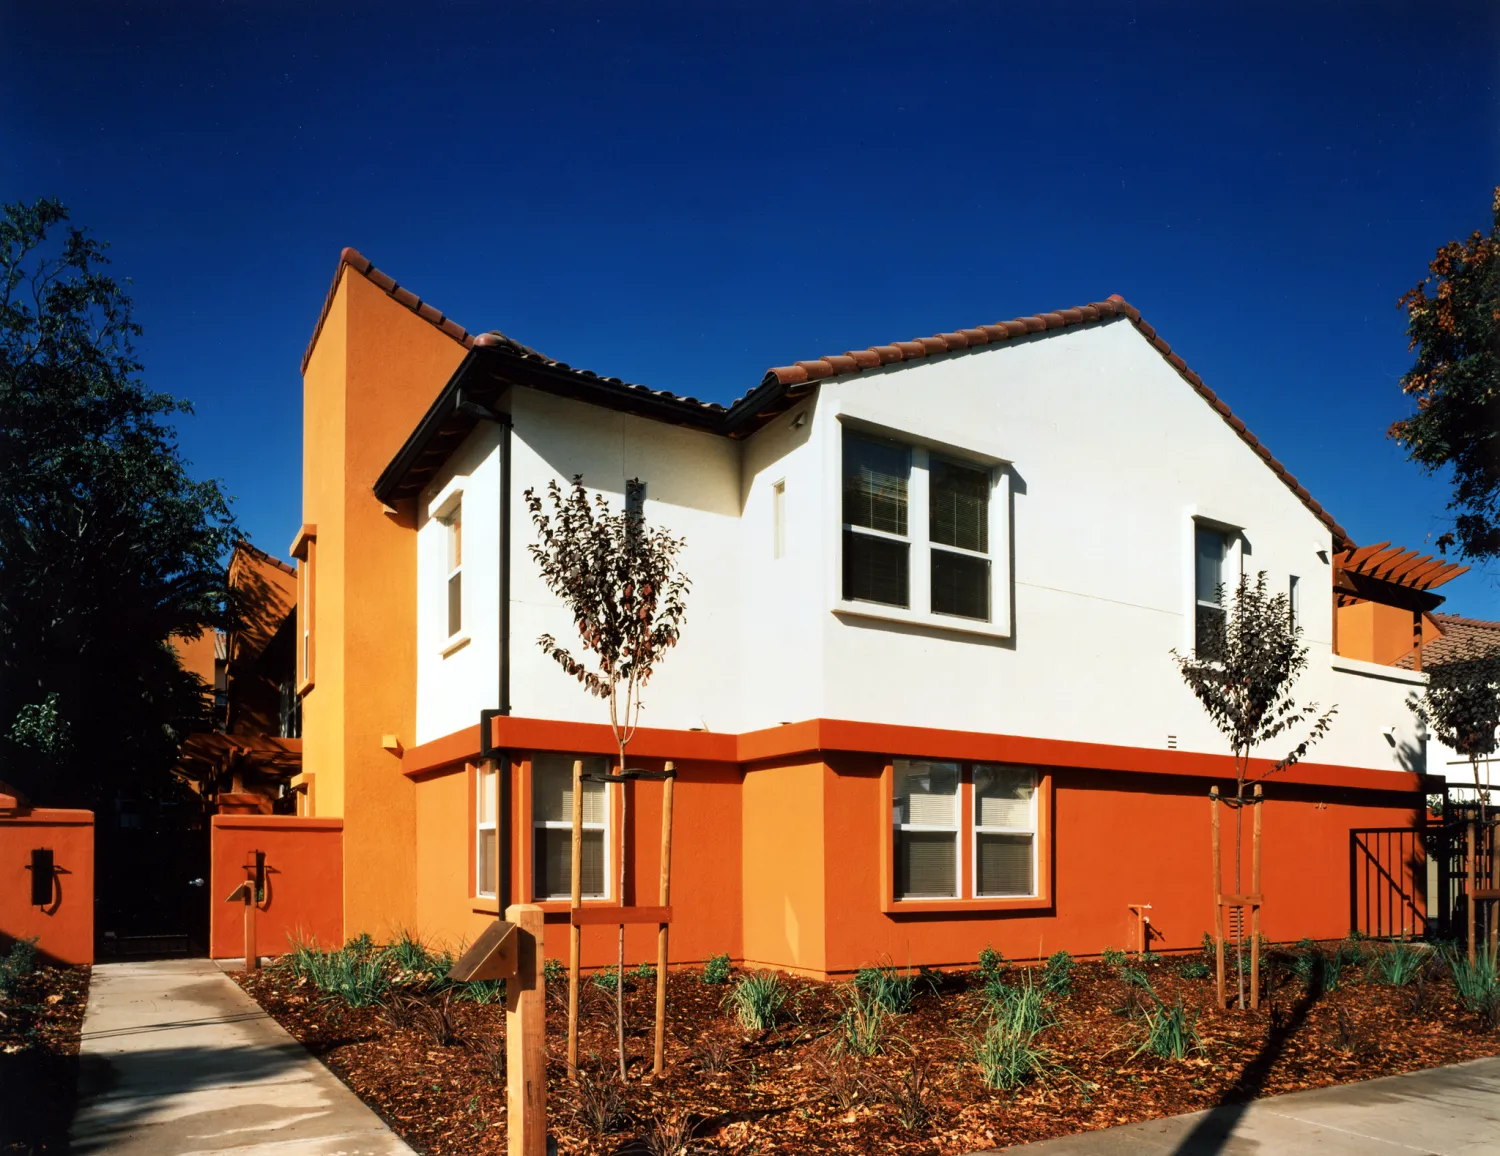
(1455, 382)
(1462, 705)
(1243, 672)
(108, 548)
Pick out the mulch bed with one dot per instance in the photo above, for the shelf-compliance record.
(783, 1091)
(39, 1024)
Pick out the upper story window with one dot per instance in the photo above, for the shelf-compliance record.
(453, 524)
(916, 529)
(1211, 547)
(552, 828)
(1294, 602)
(305, 550)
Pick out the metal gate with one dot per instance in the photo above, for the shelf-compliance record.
(1389, 882)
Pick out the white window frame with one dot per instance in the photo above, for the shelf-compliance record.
(898, 827)
(923, 445)
(453, 523)
(485, 888)
(567, 825)
(972, 770)
(1233, 567)
(1294, 600)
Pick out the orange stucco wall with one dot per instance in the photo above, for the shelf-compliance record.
(706, 864)
(1116, 839)
(65, 929)
(304, 874)
(1377, 633)
(786, 868)
(374, 371)
(196, 655)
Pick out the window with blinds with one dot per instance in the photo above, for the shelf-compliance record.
(1211, 546)
(1004, 831)
(932, 802)
(877, 477)
(486, 815)
(454, 523)
(925, 814)
(552, 827)
(958, 499)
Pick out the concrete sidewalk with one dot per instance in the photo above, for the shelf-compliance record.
(175, 1058)
(1452, 1111)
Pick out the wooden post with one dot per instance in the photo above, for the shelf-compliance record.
(1213, 808)
(526, 1038)
(664, 900)
(1416, 641)
(1492, 911)
(1472, 873)
(252, 956)
(1255, 909)
(575, 933)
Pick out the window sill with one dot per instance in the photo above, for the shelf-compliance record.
(455, 644)
(304, 686)
(950, 906)
(942, 622)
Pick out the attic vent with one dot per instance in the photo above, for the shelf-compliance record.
(1171, 742)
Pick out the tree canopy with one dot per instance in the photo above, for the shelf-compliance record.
(1455, 382)
(108, 547)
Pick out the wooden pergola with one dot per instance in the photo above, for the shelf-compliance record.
(1391, 576)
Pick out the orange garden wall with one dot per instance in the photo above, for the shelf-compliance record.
(65, 929)
(304, 882)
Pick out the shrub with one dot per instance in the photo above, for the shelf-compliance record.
(909, 1095)
(1022, 1007)
(893, 991)
(861, 1026)
(1194, 969)
(407, 954)
(1008, 1057)
(554, 974)
(1477, 983)
(1210, 949)
(1171, 1032)
(1398, 965)
(1114, 958)
(643, 971)
(16, 964)
(756, 999)
(991, 963)
(607, 978)
(600, 1103)
(1057, 976)
(480, 991)
(716, 970)
(361, 944)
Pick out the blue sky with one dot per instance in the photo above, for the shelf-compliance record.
(686, 195)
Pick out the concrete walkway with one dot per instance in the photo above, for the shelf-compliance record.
(175, 1058)
(1452, 1111)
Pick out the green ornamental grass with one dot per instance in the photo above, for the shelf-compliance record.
(757, 998)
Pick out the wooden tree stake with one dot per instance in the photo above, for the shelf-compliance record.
(1213, 809)
(665, 900)
(575, 933)
(1473, 881)
(1255, 910)
(526, 1038)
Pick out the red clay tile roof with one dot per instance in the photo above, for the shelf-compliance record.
(1463, 639)
(857, 360)
(781, 386)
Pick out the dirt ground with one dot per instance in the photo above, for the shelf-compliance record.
(39, 1024)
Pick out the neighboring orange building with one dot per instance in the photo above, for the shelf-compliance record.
(246, 764)
(796, 844)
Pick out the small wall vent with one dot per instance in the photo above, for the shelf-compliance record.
(1171, 742)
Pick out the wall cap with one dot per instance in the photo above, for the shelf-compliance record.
(280, 822)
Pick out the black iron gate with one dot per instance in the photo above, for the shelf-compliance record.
(1389, 890)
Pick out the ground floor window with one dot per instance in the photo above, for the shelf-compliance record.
(485, 812)
(937, 806)
(552, 828)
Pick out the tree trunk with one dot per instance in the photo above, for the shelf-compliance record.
(1239, 889)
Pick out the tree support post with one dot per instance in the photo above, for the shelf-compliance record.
(1218, 877)
(1253, 900)
(1255, 910)
(575, 933)
(526, 1037)
(665, 901)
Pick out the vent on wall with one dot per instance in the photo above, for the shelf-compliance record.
(1171, 742)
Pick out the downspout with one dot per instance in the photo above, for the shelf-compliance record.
(487, 749)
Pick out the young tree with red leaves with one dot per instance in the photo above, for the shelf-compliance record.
(620, 580)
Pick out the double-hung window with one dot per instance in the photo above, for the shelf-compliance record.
(453, 525)
(1211, 547)
(552, 828)
(937, 807)
(486, 813)
(916, 530)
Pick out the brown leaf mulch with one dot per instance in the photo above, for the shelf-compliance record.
(786, 1091)
(39, 1024)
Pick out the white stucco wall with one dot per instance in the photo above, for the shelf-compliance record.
(1107, 457)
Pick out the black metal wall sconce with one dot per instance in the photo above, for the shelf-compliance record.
(43, 876)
